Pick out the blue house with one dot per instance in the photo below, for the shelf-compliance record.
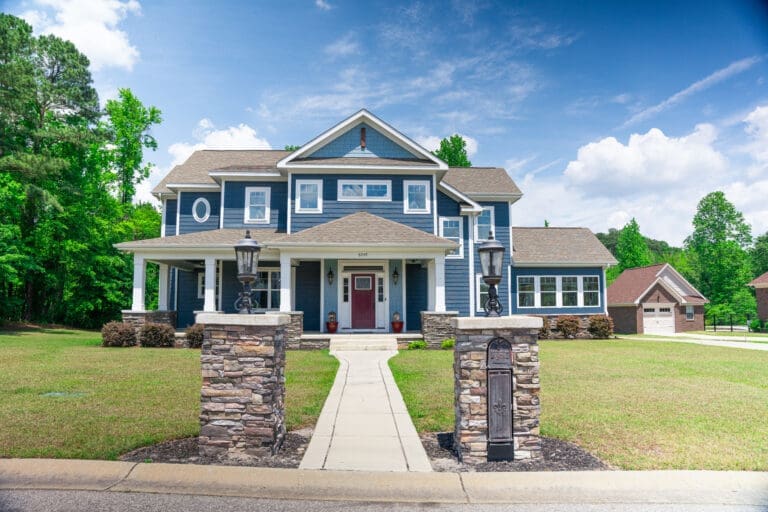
(363, 222)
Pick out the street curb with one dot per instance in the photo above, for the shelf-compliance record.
(638, 487)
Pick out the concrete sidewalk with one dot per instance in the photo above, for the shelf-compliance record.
(640, 487)
(364, 424)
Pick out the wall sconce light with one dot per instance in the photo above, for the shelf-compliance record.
(395, 276)
(330, 276)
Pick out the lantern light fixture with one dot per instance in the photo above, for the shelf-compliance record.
(247, 256)
(491, 259)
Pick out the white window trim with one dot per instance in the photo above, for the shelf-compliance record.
(247, 209)
(459, 256)
(269, 272)
(692, 315)
(207, 210)
(478, 301)
(427, 197)
(299, 208)
(492, 209)
(364, 183)
(201, 285)
(558, 292)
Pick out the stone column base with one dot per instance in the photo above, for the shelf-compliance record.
(294, 330)
(139, 318)
(436, 327)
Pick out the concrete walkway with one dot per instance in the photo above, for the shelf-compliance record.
(702, 339)
(364, 425)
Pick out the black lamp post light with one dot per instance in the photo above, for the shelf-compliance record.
(491, 259)
(247, 254)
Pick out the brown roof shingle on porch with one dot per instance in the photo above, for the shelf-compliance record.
(363, 229)
(564, 246)
(210, 238)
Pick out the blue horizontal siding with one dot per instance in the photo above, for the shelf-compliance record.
(348, 145)
(170, 217)
(334, 209)
(187, 223)
(234, 204)
(500, 233)
(456, 270)
(586, 271)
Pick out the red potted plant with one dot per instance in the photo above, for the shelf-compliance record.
(331, 325)
(397, 324)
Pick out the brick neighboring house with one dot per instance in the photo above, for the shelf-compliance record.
(760, 284)
(655, 300)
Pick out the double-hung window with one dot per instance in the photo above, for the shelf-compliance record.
(570, 289)
(591, 291)
(309, 196)
(365, 190)
(548, 290)
(416, 197)
(257, 205)
(482, 293)
(689, 312)
(484, 224)
(452, 229)
(266, 289)
(526, 292)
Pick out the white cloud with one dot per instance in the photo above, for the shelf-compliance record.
(343, 47)
(92, 25)
(432, 143)
(537, 36)
(241, 136)
(514, 165)
(650, 161)
(757, 129)
(323, 5)
(734, 68)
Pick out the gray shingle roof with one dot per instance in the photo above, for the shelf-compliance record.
(359, 161)
(559, 246)
(196, 168)
(210, 238)
(481, 180)
(363, 228)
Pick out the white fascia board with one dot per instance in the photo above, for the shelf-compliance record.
(758, 286)
(195, 253)
(559, 265)
(359, 168)
(660, 281)
(459, 196)
(510, 198)
(194, 187)
(352, 254)
(360, 116)
(236, 175)
(682, 280)
(362, 248)
(469, 210)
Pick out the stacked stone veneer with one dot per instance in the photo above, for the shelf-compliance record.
(470, 385)
(139, 318)
(243, 392)
(436, 327)
(294, 330)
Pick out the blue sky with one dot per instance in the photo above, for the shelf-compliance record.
(601, 111)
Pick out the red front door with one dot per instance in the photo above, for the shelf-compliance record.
(363, 301)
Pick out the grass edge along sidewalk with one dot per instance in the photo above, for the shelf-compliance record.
(64, 396)
(634, 404)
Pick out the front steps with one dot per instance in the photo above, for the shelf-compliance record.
(340, 342)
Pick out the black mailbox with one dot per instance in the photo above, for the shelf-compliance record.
(499, 368)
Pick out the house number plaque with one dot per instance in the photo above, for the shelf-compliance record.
(499, 365)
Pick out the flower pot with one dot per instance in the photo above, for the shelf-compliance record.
(397, 326)
(331, 326)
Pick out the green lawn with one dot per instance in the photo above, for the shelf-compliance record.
(735, 334)
(635, 404)
(118, 399)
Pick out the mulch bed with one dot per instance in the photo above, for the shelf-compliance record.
(558, 456)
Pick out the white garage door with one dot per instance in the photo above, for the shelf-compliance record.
(658, 319)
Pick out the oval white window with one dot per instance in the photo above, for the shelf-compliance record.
(201, 209)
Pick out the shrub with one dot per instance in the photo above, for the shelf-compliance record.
(417, 345)
(600, 326)
(118, 334)
(756, 325)
(544, 332)
(194, 335)
(568, 325)
(156, 335)
(448, 344)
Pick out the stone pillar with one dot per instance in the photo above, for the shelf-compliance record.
(243, 393)
(471, 391)
(436, 326)
(139, 318)
(294, 329)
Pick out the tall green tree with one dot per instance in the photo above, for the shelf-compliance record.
(453, 151)
(631, 248)
(759, 255)
(128, 127)
(718, 244)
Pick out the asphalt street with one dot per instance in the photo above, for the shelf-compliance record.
(94, 501)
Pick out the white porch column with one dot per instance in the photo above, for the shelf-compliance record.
(431, 285)
(440, 283)
(139, 279)
(209, 304)
(285, 282)
(162, 289)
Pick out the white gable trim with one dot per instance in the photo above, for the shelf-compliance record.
(682, 280)
(361, 116)
(661, 281)
(475, 207)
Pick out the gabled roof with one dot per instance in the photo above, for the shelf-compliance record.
(196, 169)
(363, 229)
(362, 116)
(634, 283)
(558, 247)
(760, 281)
(482, 183)
(202, 239)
